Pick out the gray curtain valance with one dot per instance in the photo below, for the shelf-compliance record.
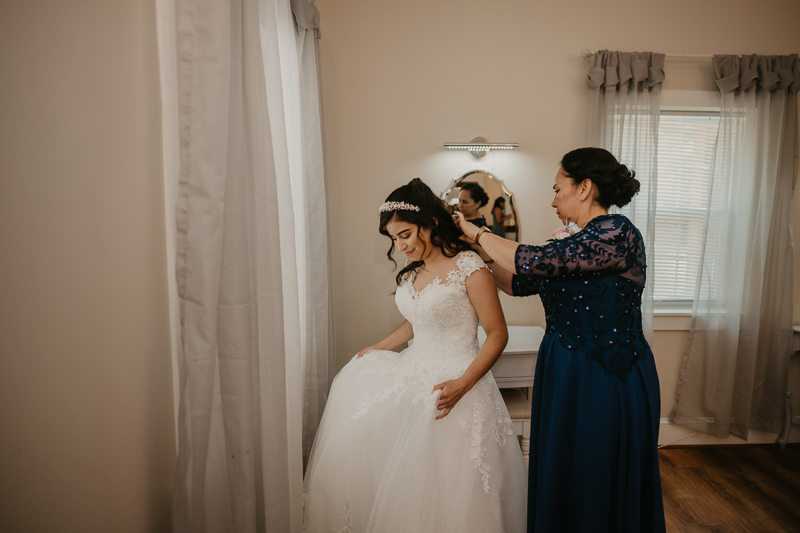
(624, 113)
(762, 73)
(643, 70)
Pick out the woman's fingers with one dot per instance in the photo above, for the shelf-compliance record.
(451, 393)
(446, 397)
(444, 414)
(467, 228)
(443, 396)
(439, 404)
(362, 352)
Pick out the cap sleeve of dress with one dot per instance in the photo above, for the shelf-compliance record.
(468, 262)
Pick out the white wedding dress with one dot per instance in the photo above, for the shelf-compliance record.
(381, 463)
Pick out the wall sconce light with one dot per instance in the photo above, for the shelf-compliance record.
(480, 146)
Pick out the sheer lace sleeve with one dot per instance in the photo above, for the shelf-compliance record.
(609, 244)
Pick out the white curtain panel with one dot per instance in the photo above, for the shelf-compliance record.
(319, 357)
(734, 372)
(247, 232)
(623, 119)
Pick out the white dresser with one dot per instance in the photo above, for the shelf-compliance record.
(514, 370)
(517, 363)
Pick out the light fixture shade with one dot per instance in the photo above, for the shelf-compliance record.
(480, 146)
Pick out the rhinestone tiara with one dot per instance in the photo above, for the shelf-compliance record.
(397, 206)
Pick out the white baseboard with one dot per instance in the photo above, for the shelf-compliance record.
(670, 434)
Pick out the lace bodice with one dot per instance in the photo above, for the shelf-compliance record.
(591, 287)
(444, 321)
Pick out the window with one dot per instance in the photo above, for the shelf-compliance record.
(686, 138)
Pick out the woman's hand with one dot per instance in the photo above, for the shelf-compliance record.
(452, 392)
(365, 350)
(403, 333)
(462, 223)
(469, 229)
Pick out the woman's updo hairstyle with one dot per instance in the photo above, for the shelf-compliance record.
(616, 184)
(432, 214)
(476, 192)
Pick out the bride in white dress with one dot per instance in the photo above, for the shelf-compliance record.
(421, 441)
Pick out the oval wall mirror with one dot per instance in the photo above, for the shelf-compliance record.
(485, 200)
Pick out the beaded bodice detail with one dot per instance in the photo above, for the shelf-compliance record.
(591, 286)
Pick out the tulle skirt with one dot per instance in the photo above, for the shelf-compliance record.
(381, 462)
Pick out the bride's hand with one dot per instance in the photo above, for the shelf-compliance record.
(469, 229)
(365, 350)
(452, 392)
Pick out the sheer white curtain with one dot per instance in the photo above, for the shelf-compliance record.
(624, 115)
(247, 232)
(733, 375)
(319, 358)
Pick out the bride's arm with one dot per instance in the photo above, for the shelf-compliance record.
(483, 296)
(403, 333)
(502, 277)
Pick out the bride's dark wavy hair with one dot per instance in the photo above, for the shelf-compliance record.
(432, 214)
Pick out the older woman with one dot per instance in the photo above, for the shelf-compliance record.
(596, 403)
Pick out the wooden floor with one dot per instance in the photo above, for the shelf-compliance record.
(731, 489)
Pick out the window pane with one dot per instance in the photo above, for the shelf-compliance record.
(685, 148)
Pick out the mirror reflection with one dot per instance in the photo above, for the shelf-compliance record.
(485, 201)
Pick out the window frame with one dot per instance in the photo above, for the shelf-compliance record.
(675, 314)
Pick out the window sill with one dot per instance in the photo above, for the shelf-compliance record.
(672, 319)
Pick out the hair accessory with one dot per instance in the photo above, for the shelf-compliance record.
(397, 206)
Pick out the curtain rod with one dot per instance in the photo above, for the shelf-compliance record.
(588, 54)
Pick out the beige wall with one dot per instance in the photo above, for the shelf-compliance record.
(87, 440)
(401, 78)
(86, 420)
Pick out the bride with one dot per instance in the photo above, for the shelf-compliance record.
(420, 441)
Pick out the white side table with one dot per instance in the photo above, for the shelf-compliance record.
(514, 369)
(517, 363)
(789, 420)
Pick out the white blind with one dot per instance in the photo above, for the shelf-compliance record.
(685, 149)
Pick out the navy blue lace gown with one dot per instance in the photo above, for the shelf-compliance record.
(596, 402)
